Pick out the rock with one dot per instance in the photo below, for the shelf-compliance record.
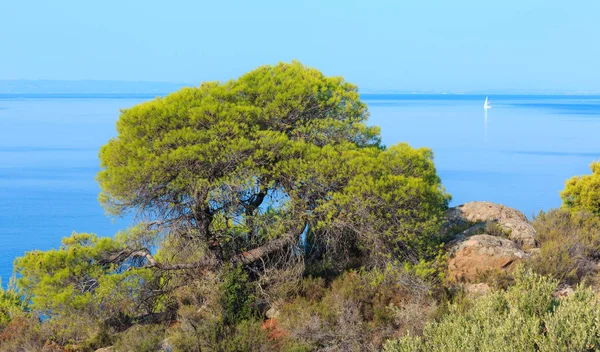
(262, 307)
(521, 230)
(166, 346)
(477, 289)
(478, 254)
(106, 349)
(563, 291)
(272, 313)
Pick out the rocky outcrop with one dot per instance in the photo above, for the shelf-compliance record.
(472, 257)
(520, 229)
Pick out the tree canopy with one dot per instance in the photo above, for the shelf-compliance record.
(236, 171)
(583, 192)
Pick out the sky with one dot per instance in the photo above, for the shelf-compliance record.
(400, 45)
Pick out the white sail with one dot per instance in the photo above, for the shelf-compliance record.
(486, 105)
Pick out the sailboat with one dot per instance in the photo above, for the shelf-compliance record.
(486, 105)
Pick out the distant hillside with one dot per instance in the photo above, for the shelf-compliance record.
(85, 86)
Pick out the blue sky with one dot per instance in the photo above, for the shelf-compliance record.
(379, 45)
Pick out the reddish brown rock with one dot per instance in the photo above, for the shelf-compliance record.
(478, 254)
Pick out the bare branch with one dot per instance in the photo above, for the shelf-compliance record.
(207, 263)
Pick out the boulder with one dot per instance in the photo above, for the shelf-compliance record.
(477, 289)
(473, 256)
(272, 313)
(521, 230)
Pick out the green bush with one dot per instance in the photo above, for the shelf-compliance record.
(236, 296)
(11, 304)
(583, 192)
(525, 317)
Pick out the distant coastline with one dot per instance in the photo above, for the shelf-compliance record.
(382, 97)
(88, 87)
(147, 88)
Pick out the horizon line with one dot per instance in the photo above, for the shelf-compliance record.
(7, 86)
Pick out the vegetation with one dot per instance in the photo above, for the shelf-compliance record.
(269, 217)
(241, 189)
(525, 317)
(583, 192)
(359, 310)
(10, 304)
(234, 172)
(569, 246)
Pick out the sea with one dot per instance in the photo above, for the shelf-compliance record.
(518, 153)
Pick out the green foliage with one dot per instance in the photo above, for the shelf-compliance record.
(525, 317)
(236, 296)
(11, 304)
(73, 279)
(574, 325)
(203, 160)
(569, 245)
(583, 192)
(79, 293)
(63, 279)
(432, 271)
(393, 202)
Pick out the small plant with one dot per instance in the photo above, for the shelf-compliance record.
(494, 229)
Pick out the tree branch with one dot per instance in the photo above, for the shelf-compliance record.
(244, 258)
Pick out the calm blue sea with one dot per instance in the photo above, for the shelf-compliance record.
(519, 154)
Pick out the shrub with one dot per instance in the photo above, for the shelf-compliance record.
(359, 311)
(236, 296)
(213, 335)
(569, 245)
(495, 229)
(525, 317)
(141, 338)
(23, 334)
